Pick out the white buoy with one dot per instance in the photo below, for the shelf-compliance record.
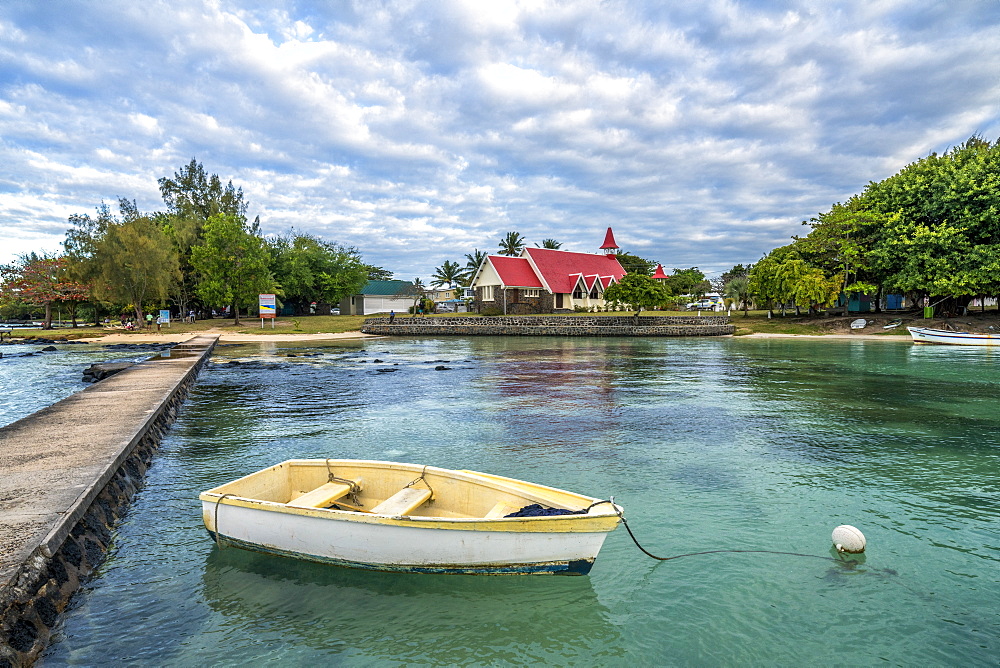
(848, 539)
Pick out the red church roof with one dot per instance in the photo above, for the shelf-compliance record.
(515, 272)
(560, 270)
(609, 241)
(659, 272)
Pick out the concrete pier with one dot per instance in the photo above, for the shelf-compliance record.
(67, 473)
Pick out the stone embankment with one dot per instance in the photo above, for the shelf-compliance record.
(566, 325)
(69, 472)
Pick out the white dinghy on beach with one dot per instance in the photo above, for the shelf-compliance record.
(947, 337)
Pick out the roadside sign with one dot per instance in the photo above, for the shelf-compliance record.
(268, 308)
(164, 316)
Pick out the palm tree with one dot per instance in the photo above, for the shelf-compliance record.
(512, 244)
(417, 290)
(738, 289)
(475, 261)
(449, 272)
(551, 244)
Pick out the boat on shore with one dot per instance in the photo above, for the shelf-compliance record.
(944, 336)
(406, 517)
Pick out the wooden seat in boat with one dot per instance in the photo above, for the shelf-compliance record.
(502, 509)
(322, 496)
(403, 502)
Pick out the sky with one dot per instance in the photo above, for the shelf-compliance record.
(703, 133)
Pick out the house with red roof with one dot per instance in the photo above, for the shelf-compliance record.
(542, 280)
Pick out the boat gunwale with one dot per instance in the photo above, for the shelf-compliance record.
(595, 515)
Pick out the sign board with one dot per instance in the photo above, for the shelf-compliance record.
(268, 308)
(164, 317)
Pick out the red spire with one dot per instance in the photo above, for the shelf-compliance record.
(609, 242)
(659, 272)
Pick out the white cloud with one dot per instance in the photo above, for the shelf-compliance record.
(703, 134)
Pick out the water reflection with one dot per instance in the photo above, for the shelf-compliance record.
(445, 620)
(709, 444)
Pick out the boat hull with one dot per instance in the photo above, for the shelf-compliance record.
(945, 337)
(561, 544)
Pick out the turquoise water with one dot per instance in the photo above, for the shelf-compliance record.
(708, 444)
(32, 378)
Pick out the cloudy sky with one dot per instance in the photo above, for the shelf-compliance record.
(704, 133)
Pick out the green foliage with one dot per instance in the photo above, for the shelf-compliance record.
(448, 273)
(638, 290)
(192, 197)
(309, 269)
(474, 260)
(378, 273)
(232, 264)
(41, 280)
(512, 245)
(633, 264)
(128, 261)
(931, 229)
(687, 281)
(551, 244)
(737, 289)
(739, 271)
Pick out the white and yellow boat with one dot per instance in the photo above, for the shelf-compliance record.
(406, 517)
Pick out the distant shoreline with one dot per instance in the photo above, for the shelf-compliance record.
(164, 337)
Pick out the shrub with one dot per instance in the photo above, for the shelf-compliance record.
(491, 311)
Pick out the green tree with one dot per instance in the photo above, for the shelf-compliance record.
(633, 264)
(551, 244)
(686, 281)
(737, 289)
(127, 261)
(475, 260)
(309, 269)
(41, 280)
(378, 273)
(512, 245)
(719, 284)
(449, 272)
(930, 229)
(639, 291)
(193, 196)
(764, 283)
(417, 290)
(232, 264)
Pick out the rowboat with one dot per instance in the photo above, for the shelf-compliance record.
(407, 517)
(928, 335)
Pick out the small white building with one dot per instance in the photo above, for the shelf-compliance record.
(380, 297)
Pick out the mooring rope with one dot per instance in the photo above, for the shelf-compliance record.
(218, 536)
(694, 554)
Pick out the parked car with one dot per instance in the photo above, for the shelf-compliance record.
(701, 305)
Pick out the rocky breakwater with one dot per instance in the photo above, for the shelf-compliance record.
(554, 325)
(69, 472)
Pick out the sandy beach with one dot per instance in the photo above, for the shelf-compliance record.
(224, 337)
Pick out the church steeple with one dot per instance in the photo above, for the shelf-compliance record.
(609, 246)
